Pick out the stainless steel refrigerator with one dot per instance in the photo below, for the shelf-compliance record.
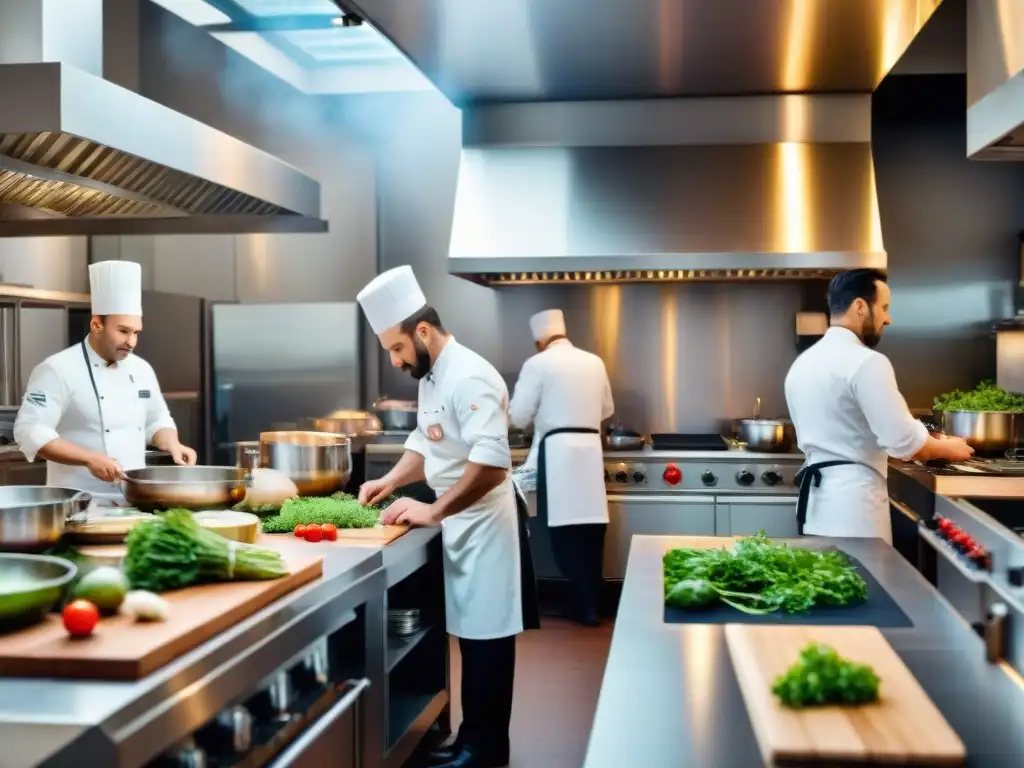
(271, 366)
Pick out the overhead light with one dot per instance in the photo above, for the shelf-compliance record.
(347, 20)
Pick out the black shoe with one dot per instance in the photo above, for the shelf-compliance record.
(467, 758)
(445, 754)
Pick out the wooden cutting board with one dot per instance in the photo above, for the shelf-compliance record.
(903, 728)
(377, 537)
(121, 649)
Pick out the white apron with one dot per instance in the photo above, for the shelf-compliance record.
(482, 568)
(852, 501)
(573, 480)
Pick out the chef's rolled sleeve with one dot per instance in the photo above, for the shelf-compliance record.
(41, 410)
(480, 407)
(897, 431)
(416, 442)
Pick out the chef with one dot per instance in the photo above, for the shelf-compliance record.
(565, 393)
(91, 409)
(460, 446)
(850, 416)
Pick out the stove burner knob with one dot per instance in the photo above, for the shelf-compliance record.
(771, 477)
(745, 477)
(621, 477)
(1015, 576)
(708, 477)
(638, 476)
(672, 475)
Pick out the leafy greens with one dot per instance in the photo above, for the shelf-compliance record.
(822, 676)
(760, 576)
(985, 397)
(341, 509)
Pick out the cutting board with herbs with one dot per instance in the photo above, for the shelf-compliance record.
(901, 726)
(378, 537)
(122, 649)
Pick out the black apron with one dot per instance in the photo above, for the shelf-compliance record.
(542, 470)
(808, 474)
(527, 578)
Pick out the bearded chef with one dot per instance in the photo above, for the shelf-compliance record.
(565, 393)
(460, 446)
(91, 410)
(850, 417)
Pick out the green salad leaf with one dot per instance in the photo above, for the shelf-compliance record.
(985, 397)
(760, 576)
(822, 677)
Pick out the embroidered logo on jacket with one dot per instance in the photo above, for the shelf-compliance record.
(38, 398)
(435, 432)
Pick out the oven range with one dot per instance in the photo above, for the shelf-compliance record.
(711, 491)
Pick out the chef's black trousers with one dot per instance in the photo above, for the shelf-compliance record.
(579, 555)
(488, 672)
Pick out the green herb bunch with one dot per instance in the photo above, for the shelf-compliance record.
(760, 576)
(822, 677)
(172, 551)
(341, 509)
(985, 397)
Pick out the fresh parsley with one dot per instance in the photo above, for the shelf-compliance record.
(985, 397)
(760, 576)
(822, 677)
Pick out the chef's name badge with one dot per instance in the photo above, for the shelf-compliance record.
(435, 432)
(144, 394)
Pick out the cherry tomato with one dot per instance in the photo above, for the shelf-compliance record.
(80, 618)
(313, 533)
(300, 531)
(329, 531)
(944, 525)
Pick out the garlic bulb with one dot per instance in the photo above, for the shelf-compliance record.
(145, 606)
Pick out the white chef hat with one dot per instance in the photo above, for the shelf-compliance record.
(544, 325)
(116, 288)
(391, 298)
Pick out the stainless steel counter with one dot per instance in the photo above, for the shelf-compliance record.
(961, 485)
(68, 722)
(670, 696)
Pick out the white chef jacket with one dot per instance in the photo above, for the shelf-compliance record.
(565, 386)
(845, 405)
(60, 402)
(463, 417)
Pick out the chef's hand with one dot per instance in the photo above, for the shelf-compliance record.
(182, 454)
(105, 468)
(373, 492)
(410, 512)
(956, 449)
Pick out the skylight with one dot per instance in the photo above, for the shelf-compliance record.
(351, 44)
(269, 8)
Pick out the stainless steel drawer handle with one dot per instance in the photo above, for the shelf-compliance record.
(337, 710)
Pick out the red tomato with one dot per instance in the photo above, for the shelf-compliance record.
(300, 531)
(329, 531)
(313, 533)
(80, 617)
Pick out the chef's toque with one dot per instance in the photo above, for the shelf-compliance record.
(544, 325)
(116, 288)
(391, 298)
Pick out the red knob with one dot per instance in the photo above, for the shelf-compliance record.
(672, 475)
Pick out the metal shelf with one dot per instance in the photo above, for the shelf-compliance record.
(400, 646)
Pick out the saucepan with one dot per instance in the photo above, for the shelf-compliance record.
(358, 426)
(989, 433)
(34, 517)
(621, 439)
(183, 487)
(765, 435)
(319, 463)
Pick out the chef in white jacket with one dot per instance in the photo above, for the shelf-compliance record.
(91, 409)
(565, 393)
(460, 446)
(850, 417)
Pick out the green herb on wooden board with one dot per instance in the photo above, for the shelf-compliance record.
(341, 509)
(822, 677)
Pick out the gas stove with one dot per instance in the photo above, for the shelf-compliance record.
(711, 469)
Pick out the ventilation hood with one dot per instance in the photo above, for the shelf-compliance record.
(616, 140)
(82, 156)
(537, 204)
(995, 80)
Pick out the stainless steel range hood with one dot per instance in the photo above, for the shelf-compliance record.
(622, 140)
(553, 193)
(995, 79)
(82, 156)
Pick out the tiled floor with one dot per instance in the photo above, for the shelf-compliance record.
(558, 676)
